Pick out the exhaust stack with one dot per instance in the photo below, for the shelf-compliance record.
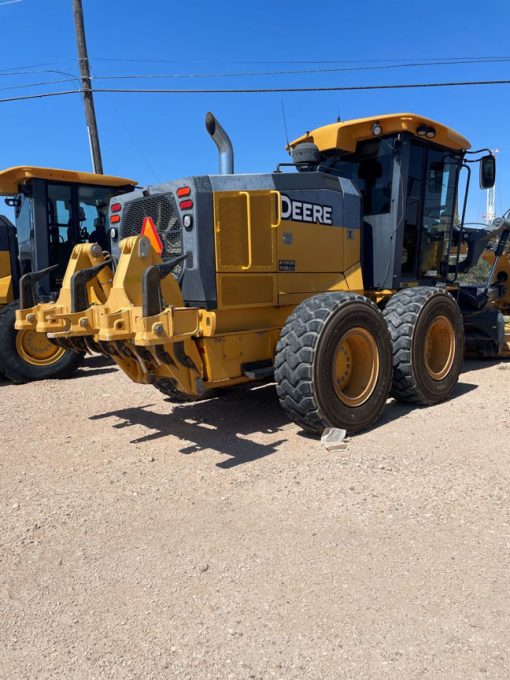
(222, 141)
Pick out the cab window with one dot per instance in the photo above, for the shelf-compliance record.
(370, 169)
(438, 210)
(24, 220)
(59, 208)
(92, 214)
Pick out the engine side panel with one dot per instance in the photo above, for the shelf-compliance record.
(253, 240)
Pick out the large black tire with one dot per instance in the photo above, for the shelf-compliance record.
(333, 363)
(427, 333)
(15, 361)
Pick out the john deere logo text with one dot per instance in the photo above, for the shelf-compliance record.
(299, 211)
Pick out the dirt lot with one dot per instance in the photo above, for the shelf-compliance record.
(143, 540)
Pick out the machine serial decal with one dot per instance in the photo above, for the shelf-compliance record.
(299, 211)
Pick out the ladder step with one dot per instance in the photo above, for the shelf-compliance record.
(259, 373)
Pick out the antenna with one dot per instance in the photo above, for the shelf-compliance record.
(285, 123)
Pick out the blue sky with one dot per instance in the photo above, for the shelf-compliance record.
(156, 137)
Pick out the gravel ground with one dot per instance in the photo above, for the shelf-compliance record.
(143, 540)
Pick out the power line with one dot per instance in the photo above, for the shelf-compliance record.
(32, 66)
(476, 60)
(277, 61)
(346, 88)
(296, 72)
(47, 82)
(139, 76)
(40, 95)
(343, 88)
(389, 63)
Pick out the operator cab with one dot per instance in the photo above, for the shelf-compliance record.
(54, 210)
(406, 169)
(413, 188)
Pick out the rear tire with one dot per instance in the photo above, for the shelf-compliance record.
(333, 363)
(26, 356)
(427, 333)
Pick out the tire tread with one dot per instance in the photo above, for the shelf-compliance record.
(295, 354)
(401, 314)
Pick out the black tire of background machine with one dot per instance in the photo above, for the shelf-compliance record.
(15, 368)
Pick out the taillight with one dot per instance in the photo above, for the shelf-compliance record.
(116, 207)
(183, 191)
(114, 219)
(186, 205)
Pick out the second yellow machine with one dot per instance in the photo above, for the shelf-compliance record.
(339, 277)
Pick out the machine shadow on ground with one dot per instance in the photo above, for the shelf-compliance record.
(471, 365)
(222, 424)
(395, 410)
(95, 365)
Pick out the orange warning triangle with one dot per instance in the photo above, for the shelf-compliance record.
(149, 230)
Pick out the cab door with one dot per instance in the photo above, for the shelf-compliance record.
(61, 228)
(429, 211)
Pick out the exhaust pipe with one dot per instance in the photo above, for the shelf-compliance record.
(222, 141)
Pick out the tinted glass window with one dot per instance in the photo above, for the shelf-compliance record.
(59, 213)
(414, 207)
(438, 210)
(24, 225)
(371, 170)
(93, 212)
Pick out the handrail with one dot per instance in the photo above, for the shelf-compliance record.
(278, 208)
(248, 227)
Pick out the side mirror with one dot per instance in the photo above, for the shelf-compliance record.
(487, 172)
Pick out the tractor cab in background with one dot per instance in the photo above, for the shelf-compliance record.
(54, 210)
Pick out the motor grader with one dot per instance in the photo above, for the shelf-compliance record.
(336, 275)
(54, 210)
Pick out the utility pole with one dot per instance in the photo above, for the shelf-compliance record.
(86, 88)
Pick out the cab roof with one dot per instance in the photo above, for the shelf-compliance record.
(12, 178)
(345, 135)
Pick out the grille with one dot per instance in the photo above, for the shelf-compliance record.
(476, 275)
(163, 210)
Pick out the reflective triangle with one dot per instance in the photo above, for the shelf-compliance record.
(149, 230)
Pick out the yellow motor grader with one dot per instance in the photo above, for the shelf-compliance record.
(337, 277)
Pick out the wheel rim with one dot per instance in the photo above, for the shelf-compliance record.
(439, 347)
(36, 349)
(355, 366)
